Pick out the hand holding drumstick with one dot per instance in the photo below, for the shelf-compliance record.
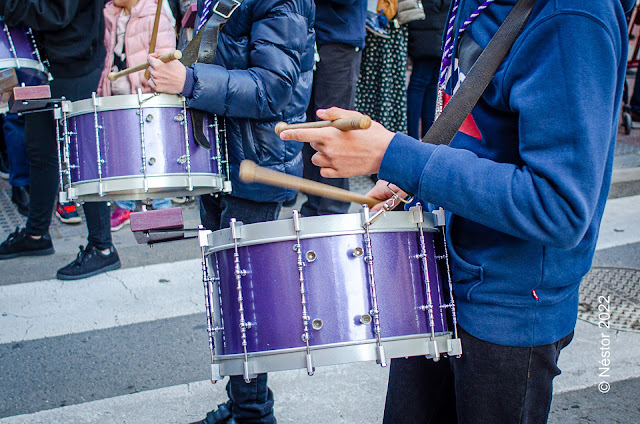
(168, 57)
(343, 154)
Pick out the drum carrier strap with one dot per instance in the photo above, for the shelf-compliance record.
(462, 102)
(206, 43)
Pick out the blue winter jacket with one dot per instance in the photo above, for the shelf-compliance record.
(262, 75)
(526, 180)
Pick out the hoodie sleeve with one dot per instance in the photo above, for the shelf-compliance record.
(278, 39)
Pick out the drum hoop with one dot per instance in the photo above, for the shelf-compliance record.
(23, 62)
(315, 227)
(127, 101)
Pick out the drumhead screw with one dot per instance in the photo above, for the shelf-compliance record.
(311, 256)
(179, 117)
(357, 252)
(149, 118)
(152, 161)
(365, 319)
(317, 324)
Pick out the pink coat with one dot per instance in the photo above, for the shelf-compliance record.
(136, 43)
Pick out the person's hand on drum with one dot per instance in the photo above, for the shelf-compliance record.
(166, 77)
(344, 153)
(384, 191)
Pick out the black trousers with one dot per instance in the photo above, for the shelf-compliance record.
(488, 384)
(40, 139)
(334, 84)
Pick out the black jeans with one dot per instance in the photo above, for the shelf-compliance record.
(40, 138)
(334, 84)
(251, 402)
(488, 384)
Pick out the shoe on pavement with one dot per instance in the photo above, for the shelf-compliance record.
(20, 197)
(67, 213)
(119, 218)
(90, 261)
(19, 243)
(221, 415)
(182, 200)
(4, 169)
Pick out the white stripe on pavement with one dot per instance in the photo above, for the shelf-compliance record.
(620, 223)
(52, 308)
(351, 393)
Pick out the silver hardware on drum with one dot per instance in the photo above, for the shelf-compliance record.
(303, 299)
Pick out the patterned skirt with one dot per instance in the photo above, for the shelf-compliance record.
(382, 86)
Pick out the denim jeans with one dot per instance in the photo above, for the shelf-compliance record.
(422, 94)
(13, 128)
(130, 205)
(334, 84)
(488, 384)
(251, 402)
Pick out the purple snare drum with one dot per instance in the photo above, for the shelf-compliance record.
(136, 147)
(18, 52)
(306, 292)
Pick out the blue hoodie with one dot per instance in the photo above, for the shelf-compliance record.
(526, 179)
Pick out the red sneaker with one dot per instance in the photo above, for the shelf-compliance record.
(119, 218)
(67, 213)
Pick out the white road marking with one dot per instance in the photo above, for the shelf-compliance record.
(52, 308)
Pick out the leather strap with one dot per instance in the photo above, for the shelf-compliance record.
(207, 38)
(461, 104)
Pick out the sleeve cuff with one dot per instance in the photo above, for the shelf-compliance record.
(404, 161)
(189, 82)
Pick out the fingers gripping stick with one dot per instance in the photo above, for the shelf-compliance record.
(174, 55)
(344, 124)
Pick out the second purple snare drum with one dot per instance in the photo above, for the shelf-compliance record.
(19, 53)
(306, 292)
(136, 147)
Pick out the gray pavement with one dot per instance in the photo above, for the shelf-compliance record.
(155, 369)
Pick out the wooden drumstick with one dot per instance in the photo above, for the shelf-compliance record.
(344, 124)
(252, 173)
(154, 34)
(168, 57)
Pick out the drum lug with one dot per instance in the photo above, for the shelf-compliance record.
(454, 347)
(434, 352)
(215, 373)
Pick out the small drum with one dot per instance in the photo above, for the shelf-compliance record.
(136, 147)
(306, 292)
(20, 60)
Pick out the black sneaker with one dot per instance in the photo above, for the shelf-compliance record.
(222, 415)
(90, 261)
(19, 243)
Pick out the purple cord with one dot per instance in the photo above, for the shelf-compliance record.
(448, 45)
(205, 15)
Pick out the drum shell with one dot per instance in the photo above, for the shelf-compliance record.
(120, 133)
(337, 291)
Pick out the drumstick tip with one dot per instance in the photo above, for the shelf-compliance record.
(365, 122)
(111, 76)
(247, 172)
(280, 126)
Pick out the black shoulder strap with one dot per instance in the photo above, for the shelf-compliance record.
(202, 49)
(460, 105)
